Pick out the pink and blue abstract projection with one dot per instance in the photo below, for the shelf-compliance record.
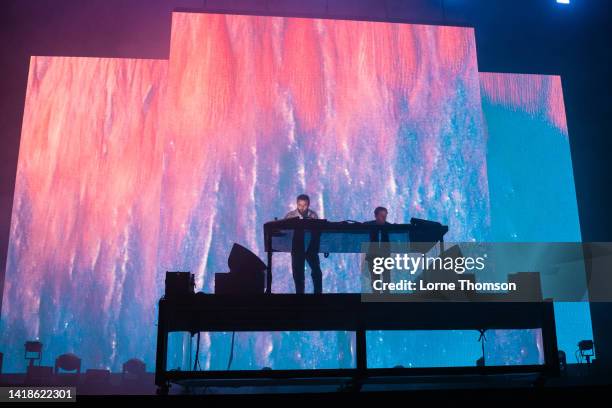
(128, 168)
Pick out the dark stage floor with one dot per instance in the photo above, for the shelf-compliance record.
(578, 379)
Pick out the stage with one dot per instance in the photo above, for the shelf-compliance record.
(195, 313)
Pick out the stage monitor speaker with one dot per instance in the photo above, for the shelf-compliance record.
(528, 285)
(243, 261)
(247, 273)
(231, 284)
(179, 284)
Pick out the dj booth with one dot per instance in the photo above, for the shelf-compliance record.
(358, 313)
(327, 237)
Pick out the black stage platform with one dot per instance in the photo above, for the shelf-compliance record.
(345, 312)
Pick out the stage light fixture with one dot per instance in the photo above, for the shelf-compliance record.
(33, 352)
(563, 1)
(586, 349)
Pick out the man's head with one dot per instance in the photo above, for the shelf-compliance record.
(380, 214)
(303, 202)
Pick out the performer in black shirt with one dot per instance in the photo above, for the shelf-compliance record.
(379, 246)
(311, 255)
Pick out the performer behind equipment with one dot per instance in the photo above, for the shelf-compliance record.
(311, 255)
(379, 246)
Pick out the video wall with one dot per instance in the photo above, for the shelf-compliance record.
(129, 168)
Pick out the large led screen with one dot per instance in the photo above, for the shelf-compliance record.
(129, 168)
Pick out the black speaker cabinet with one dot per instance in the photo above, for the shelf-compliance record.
(247, 273)
(179, 284)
